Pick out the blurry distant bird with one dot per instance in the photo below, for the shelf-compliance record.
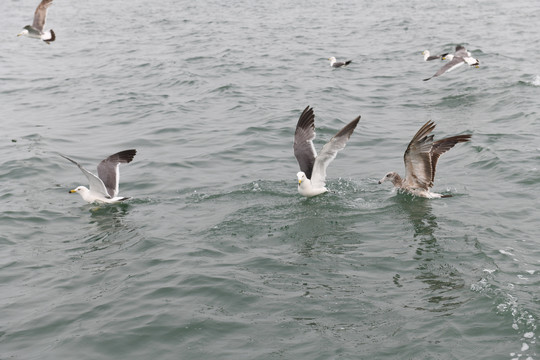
(429, 57)
(336, 64)
(35, 30)
(460, 57)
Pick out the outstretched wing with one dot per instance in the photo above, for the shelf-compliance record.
(442, 146)
(329, 152)
(304, 151)
(41, 14)
(96, 185)
(449, 66)
(417, 158)
(108, 170)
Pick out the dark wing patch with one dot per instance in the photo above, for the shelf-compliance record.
(107, 169)
(417, 157)
(303, 141)
(442, 146)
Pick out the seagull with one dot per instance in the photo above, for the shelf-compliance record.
(429, 57)
(421, 160)
(460, 57)
(104, 187)
(336, 64)
(35, 30)
(311, 178)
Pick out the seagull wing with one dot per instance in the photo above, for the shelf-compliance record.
(449, 66)
(442, 146)
(433, 57)
(41, 14)
(304, 151)
(108, 170)
(341, 63)
(329, 152)
(461, 52)
(95, 183)
(417, 158)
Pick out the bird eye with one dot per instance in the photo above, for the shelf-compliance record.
(387, 175)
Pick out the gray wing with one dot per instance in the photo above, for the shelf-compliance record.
(304, 151)
(442, 146)
(108, 170)
(329, 152)
(41, 14)
(461, 51)
(95, 184)
(449, 66)
(435, 57)
(341, 63)
(417, 158)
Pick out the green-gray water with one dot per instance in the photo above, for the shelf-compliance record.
(217, 256)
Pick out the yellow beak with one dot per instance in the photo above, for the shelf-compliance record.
(72, 191)
(299, 182)
(19, 34)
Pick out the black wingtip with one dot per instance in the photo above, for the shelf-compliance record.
(53, 37)
(307, 118)
(426, 79)
(446, 196)
(127, 155)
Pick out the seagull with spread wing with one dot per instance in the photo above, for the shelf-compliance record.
(312, 177)
(35, 30)
(421, 159)
(104, 187)
(460, 57)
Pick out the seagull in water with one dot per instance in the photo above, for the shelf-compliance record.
(311, 178)
(36, 29)
(460, 57)
(421, 160)
(104, 187)
(336, 64)
(429, 57)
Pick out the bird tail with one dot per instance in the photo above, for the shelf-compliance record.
(52, 38)
(348, 62)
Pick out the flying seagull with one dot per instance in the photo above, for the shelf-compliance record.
(460, 57)
(104, 187)
(336, 64)
(429, 57)
(35, 30)
(312, 175)
(421, 160)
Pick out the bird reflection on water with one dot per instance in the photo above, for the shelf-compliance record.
(433, 268)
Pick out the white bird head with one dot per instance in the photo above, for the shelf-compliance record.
(426, 54)
(301, 177)
(332, 60)
(24, 31)
(83, 191)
